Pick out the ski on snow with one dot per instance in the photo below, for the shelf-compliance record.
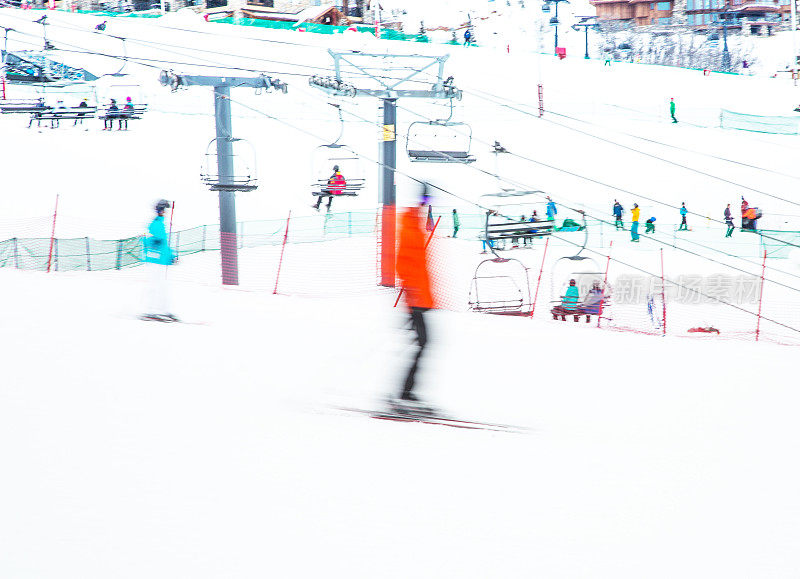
(435, 418)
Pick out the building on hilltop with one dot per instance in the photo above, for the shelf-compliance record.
(751, 17)
(338, 13)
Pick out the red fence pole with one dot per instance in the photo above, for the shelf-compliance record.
(605, 283)
(427, 243)
(52, 236)
(171, 213)
(283, 247)
(663, 299)
(761, 295)
(539, 280)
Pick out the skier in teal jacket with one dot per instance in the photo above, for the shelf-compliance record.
(157, 256)
(570, 300)
(156, 245)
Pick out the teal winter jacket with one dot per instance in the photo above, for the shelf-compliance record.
(570, 300)
(156, 245)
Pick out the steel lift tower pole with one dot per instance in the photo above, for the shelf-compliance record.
(386, 82)
(225, 182)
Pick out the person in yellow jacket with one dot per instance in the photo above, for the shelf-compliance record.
(635, 222)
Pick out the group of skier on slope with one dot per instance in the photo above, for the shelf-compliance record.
(750, 217)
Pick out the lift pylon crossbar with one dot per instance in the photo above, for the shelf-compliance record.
(337, 86)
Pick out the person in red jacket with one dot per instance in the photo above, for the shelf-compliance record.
(415, 281)
(336, 186)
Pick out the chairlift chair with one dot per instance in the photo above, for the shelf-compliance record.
(120, 90)
(325, 158)
(244, 175)
(439, 141)
(503, 219)
(335, 154)
(501, 286)
(583, 269)
(72, 93)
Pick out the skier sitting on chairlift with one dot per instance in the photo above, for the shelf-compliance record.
(593, 302)
(336, 185)
(534, 218)
(569, 303)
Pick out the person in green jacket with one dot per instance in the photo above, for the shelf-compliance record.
(672, 110)
(456, 223)
(650, 225)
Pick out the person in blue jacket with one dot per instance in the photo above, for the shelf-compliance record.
(617, 213)
(683, 226)
(551, 210)
(157, 256)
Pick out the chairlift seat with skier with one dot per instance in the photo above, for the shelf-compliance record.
(327, 160)
(509, 219)
(337, 170)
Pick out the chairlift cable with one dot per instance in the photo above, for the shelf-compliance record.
(710, 248)
(601, 183)
(435, 186)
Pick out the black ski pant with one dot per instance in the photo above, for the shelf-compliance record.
(418, 325)
(319, 201)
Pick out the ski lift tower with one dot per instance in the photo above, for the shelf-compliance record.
(225, 181)
(388, 77)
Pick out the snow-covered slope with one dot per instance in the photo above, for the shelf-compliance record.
(209, 449)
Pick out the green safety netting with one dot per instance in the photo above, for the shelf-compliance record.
(88, 254)
(779, 125)
(386, 33)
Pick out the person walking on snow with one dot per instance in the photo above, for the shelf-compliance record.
(683, 226)
(672, 110)
(158, 256)
(415, 281)
(635, 222)
(650, 225)
(617, 213)
(467, 37)
(456, 223)
(429, 223)
(551, 210)
(729, 221)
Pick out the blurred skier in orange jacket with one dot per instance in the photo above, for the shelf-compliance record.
(415, 280)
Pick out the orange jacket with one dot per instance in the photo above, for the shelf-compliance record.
(412, 262)
(750, 214)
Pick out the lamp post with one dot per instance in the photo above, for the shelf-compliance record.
(795, 57)
(726, 55)
(554, 19)
(586, 22)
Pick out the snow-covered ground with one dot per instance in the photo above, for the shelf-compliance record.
(210, 449)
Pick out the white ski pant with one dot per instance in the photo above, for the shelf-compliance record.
(157, 291)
